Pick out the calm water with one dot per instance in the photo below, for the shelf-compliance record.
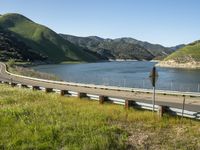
(126, 74)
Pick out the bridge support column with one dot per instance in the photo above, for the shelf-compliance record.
(81, 95)
(63, 92)
(48, 90)
(102, 99)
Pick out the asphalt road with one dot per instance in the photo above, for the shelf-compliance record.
(192, 103)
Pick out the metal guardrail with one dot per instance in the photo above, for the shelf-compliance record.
(119, 101)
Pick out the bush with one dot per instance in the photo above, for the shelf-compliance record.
(11, 62)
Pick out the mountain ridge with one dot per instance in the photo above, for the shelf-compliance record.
(98, 44)
(61, 47)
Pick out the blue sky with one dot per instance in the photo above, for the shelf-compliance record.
(167, 22)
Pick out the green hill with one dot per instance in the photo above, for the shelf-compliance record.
(43, 40)
(188, 53)
(12, 48)
(186, 57)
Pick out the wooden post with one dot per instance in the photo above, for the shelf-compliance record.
(47, 90)
(5, 82)
(129, 103)
(102, 99)
(13, 84)
(63, 92)
(81, 95)
(22, 85)
(35, 87)
(183, 107)
(161, 110)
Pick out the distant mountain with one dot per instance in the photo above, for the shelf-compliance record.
(177, 47)
(44, 41)
(186, 57)
(121, 48)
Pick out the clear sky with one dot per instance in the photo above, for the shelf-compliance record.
(167, 22)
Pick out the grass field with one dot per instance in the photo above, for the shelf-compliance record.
(35, 120)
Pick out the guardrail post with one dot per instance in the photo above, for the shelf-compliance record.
(22, 85)
(161, 110)
(12, 84)
(63, 92)
(5, 82)
(47, 90)
(183, 107)
(81, 95)
(35, 87)
(128, 103)
(102, 99)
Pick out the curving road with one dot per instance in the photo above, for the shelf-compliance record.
(192, 102)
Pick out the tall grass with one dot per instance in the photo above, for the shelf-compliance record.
(35, 120)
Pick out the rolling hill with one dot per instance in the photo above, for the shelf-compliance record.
(12, 48)
(121, 48)
(186, 57)
(43, 40)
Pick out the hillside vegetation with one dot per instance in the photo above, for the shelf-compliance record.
(186, 54)
(43, 40)
(35, 120)
(186, 57)
(13, 48)
(121, 48)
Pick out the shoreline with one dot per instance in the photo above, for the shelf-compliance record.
(31, 64)
(173, 64)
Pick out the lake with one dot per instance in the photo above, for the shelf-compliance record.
(133, 74)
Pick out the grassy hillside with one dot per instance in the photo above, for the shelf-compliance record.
(43, 40)
(35, 120)
(186, 54)
(13, 48)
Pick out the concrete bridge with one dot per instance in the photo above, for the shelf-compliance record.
(127, 96)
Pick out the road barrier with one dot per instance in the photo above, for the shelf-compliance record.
(120, 101)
